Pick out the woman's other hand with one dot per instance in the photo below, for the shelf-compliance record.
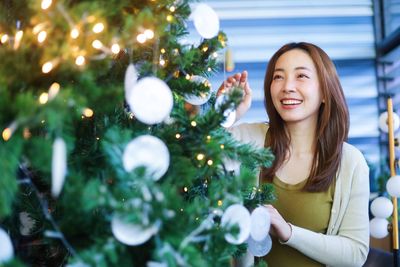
(238, 80)
(279, 227)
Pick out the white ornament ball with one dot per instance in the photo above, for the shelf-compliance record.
(150, 100)
(378, 227)
(393, 186)
(206, 21)
(259, 248)
(198, 100)
(6, 247)
(58, 166)
(130, 234)
(381, 207)
(147, 151)
(130, 81)
(237, 214)
(383, 122)
(229, 114)
(260, 223)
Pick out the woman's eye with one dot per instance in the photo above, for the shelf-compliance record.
(276, 77)
(302, 76)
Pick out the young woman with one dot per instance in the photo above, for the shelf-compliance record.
(322, 184)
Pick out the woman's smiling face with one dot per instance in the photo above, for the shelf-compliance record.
(295, 89)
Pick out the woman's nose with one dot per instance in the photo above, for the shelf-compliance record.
(289, 86)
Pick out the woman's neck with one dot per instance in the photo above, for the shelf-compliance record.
(302, 137)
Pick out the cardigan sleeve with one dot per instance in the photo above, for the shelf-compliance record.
(350, 246)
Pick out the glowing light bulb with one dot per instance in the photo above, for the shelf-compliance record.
(185, 189)
(222, 146)
(210, 162)
(205, 49)
(47, 67)
(141, 38)
(170, 18)
(43, 98)
(115, 48)
(162, 51)
(4, 38)
(200, 156)
(74, 33)
(177, 136)
(42, 36)
(46, 4)
(80, 60)
(149, 34)
(193, 123)
(53, 90)
(97, 44)
(162, 62)
(172, 9)
(17, 39)
(215, 54)
(98, 27)
(7, 133)
(87, 112)
(209, 69)
(188, 77)
(219, 203)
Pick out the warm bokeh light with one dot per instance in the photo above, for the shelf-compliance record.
(17, 39)
(47, 67)
(4, 38)
(193, 123)
(97, 44)
(172, 9)
(80, 60)
(149, 34)
(42, 36)
(115, 48)
(46, 4)
(7, 133)
(177, 136)
(53, 90)
(43, 98)
(162, 51)
(141, 38)
(98, 27)
(87, 112)
(200, 156)
(74, 33)
(162, 62)
(210, 162)
(170, 18)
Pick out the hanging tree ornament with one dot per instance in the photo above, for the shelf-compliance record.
(130, 81)
(381, 207)
(259, 248)
(6, 248)
(237, 214)
(378, 227)
(198, 100)
(206, 21)
(150, 100)
(229, 114)
(393, 186)
(58, 166)
(147, 151)
(131, 234)
(260, 223)
(383, 122)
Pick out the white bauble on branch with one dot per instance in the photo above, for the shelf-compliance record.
(378, 227)
(206, 21)
(58, 166)
(383, 122)
(203, 97)
(130, 81)
(259, 248)
(229, 114)
(131, 234)
(260, 223)
(393, 186)
(6, 247)
(150, 100)
(381, 207)
(148, 151)
(237, 214)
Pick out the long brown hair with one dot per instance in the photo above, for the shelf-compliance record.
(333, 121)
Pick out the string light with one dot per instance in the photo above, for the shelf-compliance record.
(205, 48)
(193, 123)
(4, 38)
(42, 36)
(97, 138)
(46, 4)
(74, 33)
(209, 69)
(185, 189)
(53, 90)
(98, 27)
(80, 60)
(170, 18)
(219, 203)
(210, 162)
(215, 54)
(162, 62)
(47, 67)
(177, 136)
(172, 9)
(17, 39)
(141, 38)
(188, 77)
(200, 156)
(222, 146)
(149, 34)
(87, 112)
(162, 51)
(115, 48)
(7, 133)
(97, 44)
(43, 98)
(208, 137)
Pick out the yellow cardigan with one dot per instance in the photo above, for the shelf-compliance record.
(346, 242)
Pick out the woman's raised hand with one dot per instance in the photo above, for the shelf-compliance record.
(238, 80)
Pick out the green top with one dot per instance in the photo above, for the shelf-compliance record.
(304, 209)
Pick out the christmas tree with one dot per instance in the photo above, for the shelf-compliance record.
(112, 150)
